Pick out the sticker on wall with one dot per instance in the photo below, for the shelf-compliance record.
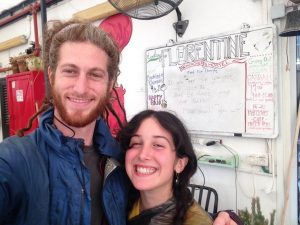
(13, 84)
(19, 96)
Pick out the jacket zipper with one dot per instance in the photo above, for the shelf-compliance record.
(82, 182)
(82, 205)
(83, 192)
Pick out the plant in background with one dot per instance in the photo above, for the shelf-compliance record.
(255, 217)
(34, 63)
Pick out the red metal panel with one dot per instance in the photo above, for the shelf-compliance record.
(25, 93)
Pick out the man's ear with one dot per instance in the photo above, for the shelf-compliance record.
(180, 164)
(111, 85)
(50, 76)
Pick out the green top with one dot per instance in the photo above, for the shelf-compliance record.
(164, 213)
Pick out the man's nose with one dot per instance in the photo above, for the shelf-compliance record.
(81, 84)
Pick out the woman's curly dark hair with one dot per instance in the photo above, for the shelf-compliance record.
(184, 148)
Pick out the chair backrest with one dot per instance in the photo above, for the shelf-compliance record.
(207, 197)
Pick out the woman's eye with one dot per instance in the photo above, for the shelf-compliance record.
(158, 146)
(135, 145)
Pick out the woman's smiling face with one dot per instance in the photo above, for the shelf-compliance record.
(151, 158)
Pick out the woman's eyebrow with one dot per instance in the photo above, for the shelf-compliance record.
(163, 137)
(135, 135)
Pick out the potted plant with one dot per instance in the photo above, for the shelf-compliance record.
(34, 63)
(255, 217)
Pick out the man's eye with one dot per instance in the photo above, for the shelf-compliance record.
(69, 71)
(96, 76)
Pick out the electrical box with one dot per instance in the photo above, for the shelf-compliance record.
(231, 161)
(25, 92)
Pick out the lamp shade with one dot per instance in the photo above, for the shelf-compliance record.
(292, 24)
(119, 26)
(295, 1)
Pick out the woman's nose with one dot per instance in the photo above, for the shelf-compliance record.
(145, 152)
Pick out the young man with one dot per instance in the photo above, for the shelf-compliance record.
(67, 171)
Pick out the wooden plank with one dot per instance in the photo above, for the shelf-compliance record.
(96, 12)
(105, 9)
(13, 42)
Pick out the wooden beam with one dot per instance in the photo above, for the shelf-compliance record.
(105, 9)
(96, 12)
(16, 41)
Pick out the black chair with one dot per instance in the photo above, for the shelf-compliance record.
(207, 197)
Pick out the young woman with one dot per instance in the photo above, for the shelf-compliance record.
(160, 162)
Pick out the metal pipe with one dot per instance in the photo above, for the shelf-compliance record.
(37, 47)
(23, 12)
(43, 14)
(44, 21)
(5, 69)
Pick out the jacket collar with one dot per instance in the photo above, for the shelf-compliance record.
(102, 138)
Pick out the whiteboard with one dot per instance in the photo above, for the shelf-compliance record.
(222, 84)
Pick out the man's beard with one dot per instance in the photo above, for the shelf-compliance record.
(77, 119)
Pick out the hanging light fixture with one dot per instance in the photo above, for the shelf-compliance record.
(292, 23)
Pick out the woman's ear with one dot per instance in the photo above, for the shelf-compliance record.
(180, 164)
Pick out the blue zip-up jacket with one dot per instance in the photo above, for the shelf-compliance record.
(43, 179)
